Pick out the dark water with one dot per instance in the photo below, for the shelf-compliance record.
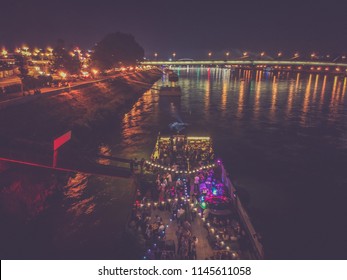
(282, 138)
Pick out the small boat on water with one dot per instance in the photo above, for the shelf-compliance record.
(170, 91)
(192, 211)
(173, 77)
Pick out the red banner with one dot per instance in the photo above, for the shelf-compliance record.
(58, 142)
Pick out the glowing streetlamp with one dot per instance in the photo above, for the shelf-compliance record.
(173, 55)
(62, 74)
(279, 54)
(313, 55)
(209, 55)
(296, 55)
(155, 55)
(4, 52)
(227, 54)
(262, 54)
(245, 53)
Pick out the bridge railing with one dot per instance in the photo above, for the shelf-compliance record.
(246, 62)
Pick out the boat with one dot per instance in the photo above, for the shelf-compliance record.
(170, 91)
(173, 77)
(194, 203)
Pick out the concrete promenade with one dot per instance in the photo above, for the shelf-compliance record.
(7, 100)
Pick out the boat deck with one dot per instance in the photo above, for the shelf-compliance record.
(189, 201)
(204, 249)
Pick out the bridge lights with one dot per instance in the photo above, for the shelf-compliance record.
(4, 52)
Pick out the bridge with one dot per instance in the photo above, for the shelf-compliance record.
(274, 65)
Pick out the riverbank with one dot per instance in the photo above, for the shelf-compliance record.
(57, 215)
(78, 110)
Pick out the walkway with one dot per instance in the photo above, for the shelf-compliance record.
(204, 250)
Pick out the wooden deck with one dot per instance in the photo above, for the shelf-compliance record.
(204, 250)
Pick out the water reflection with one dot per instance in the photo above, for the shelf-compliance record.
(207, 92)
(306, 101)
(273, 99)
(257, 94)
(225, 89)
(344, 89)
(290, 99)
(322, 93)
(241, 99)
(75, 190)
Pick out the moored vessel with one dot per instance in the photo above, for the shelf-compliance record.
(170, 91)
(192, 210)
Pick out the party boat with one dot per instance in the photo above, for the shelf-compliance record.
(190, 180)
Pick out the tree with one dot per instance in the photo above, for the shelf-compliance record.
(62, 60)
(116, 49)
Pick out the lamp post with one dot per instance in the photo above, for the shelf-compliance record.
(155, 56)
(227, 55)
(209, 55)
(296, 55)
(173, 55)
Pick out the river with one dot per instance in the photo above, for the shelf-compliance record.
(282, 138)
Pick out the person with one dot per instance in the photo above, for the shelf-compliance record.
(169, 178)
(196, 183)
(178, 236)
(193, 245)
(180, 215)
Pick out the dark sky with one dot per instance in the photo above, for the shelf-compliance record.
(190, 28)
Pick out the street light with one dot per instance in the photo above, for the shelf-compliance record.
(296, 55)
(155, 55)
(209, 54)
(313, 55)
(4, 52)
(262, 54)
(227, 54)
(245, 53)
(173, 55)
(279, 54)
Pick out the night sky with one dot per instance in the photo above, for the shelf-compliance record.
(190, 28)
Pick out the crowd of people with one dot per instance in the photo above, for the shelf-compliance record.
(179, 153)
(176, 200)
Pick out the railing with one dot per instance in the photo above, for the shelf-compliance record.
(245, 219)
(246, 62)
